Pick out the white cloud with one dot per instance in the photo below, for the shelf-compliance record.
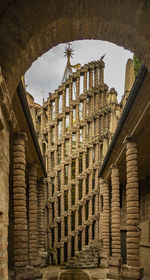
(46, 72)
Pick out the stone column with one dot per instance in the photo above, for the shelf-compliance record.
(49, 111)
(132, 270)
(19, 202)
(83, 238)
(96, 76)
(101, 81)
(90, 209)
(77, 86)
(42, 120)
(115, 260)
(41, 222)
(85, 82)
(19, 190)
(69, 236)
(33, 216)
(70, 93)
(76, 243)
(90, 78)
(106, 235)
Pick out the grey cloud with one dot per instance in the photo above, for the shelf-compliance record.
(46, 73)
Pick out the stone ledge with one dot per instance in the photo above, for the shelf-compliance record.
(132, 273)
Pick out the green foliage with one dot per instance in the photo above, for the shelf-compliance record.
(137, 64)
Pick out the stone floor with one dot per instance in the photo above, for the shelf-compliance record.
(52, 272)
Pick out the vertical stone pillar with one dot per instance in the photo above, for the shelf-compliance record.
(76, 243)
(56, 106)
(90, 209)
(102, 75)
(70, 93)
(41, 222)
(96, 76)
(132, 270)
(90, 233)
(115, 261)
(69, 234)
(19, 201)
(77, 86)
(91, 157)
(106, 234)
(84, 161)
(69, 198)
(69, 248)
(90, 78)
(42, 120)
(85, 82)
(76, 194)
(33, 216)
(63, 99)
(83, 238)
(96, 203)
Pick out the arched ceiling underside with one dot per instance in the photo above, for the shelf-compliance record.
(29, 28)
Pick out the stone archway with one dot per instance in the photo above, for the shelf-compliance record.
(30, 28)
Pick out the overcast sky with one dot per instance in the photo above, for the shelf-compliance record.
(46, 72)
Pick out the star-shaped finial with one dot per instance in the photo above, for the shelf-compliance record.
(69, 51)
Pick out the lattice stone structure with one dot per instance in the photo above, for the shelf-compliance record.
(75, 126)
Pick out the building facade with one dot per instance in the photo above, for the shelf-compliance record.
(23, 188)
(124, 189)
(75, 127)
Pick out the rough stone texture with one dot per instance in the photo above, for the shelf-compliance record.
(115, 260)
(19, 198)
(87, 258)
(132, 192)
(41, 223)
(145, 227)
(4, 184)
(13, 191)
(85, 111)
(74, 274)
(106, 221)
(33, 217)
(44, 26)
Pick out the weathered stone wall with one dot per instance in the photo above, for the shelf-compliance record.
(145, 226)
(87, 258)
(6, 119)
(4, 194)
(76, 125)
(34, 29)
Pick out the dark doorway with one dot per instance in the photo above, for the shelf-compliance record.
(58, 255)
(123, 246)
(65, 252)
(72, 246)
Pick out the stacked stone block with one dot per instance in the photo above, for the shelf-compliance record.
(115, 260)
(19, 196)
(84, 117)
(132, 270)
(27, 220)
(33, 217)
(105, 230)
(87, 258)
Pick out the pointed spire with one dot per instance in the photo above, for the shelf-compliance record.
(68, 53)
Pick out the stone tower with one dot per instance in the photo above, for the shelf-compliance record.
(129, 80)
